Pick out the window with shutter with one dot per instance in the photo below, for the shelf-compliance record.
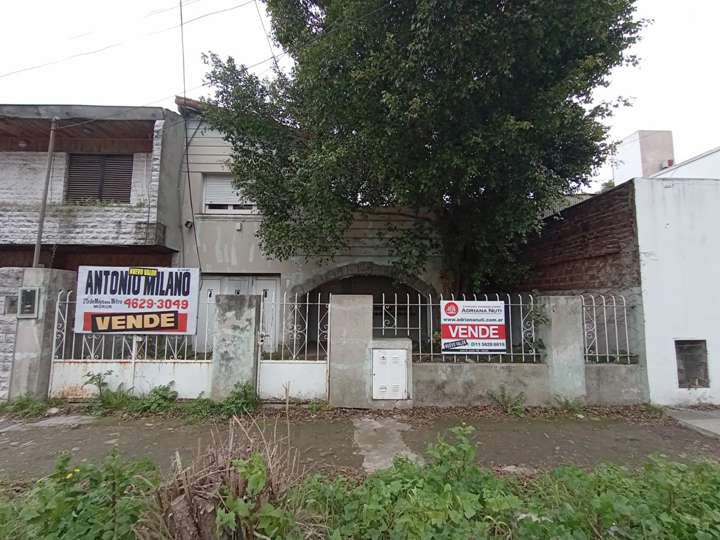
(99, 177)
(221, 197)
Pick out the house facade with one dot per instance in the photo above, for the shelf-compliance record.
(114, 193)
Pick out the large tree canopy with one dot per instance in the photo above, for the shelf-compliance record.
(471, 116)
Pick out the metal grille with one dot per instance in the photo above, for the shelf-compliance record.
(606, 330)
(301, 332)
(418, 318)
(69, 345)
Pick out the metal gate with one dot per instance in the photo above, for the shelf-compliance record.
(293, 352)
(137, 362)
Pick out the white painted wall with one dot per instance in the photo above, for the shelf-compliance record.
(306, 380)
(679, 241)
(705, 165)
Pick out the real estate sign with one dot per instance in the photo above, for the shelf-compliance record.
(472, 327)
(136, 300)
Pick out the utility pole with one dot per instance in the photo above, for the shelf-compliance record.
(43, 204)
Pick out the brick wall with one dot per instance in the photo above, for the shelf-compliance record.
(10, 281)
(592, 245)
(22, 175)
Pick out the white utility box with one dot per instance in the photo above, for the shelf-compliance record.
(389, 373)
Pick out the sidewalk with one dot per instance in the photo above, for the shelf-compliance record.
(705, 422)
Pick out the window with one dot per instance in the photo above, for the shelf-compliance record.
(692, 363)
(98, 177)
(221, 197)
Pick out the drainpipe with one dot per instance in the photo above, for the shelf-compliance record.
(43, 204)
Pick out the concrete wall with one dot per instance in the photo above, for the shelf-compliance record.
(616, 384)
(234, 358)
(678, 224)
(228, 243)
(304, 380)
(26, 344)
(452, 385)
(589, 246)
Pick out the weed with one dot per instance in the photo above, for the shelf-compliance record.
(26, 407)
(569, 405)
(84, 502)
(513, 404)
(161, 399)
(316, 406)
(242, 400)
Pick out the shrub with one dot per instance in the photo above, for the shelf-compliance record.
(84, 502)
(242, 400)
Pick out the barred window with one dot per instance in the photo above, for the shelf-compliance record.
(692, 363)
(99, 177)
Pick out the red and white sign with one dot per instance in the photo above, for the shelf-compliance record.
(136, 300)
(472, 327)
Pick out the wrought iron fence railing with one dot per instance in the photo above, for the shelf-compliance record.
(418, 318)
(295, 327)
(70, 345)
(607, 330)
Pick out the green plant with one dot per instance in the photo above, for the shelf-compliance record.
(569, 405)
(25, 407)
(161, 399)
(316, 406)
(84, 502)
(510, 403)
(107, 401)
(242, 400)
(252, 512)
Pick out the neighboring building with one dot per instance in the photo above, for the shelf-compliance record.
(705, 165)
(114, 193)
(642, 154)
(654, 240)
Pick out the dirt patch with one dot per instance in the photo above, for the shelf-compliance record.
(325, 439)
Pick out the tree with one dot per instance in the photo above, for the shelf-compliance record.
(605, 186)
(471, 116)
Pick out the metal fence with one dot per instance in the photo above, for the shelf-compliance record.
(71, 345)
(418, 318)
(295, 327)
(606, 332)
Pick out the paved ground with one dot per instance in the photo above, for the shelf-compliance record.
(357, 440)
(705, 421)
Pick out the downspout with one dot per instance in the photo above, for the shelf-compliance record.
(46, 188)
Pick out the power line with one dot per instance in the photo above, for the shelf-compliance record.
(267, 36)
(187, 142)
(120, 43)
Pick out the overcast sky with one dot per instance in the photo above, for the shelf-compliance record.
(139, 62)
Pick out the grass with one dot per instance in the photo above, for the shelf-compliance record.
(27, 407)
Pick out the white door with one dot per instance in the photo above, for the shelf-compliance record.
(240, 285)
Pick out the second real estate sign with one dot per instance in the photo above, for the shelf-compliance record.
(472, 327)
(136, 300)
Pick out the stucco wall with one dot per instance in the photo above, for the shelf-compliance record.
(678, 226)
(706, 165)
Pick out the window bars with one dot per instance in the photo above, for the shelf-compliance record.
(418, 318)
(69, 345)
(295, 327)
(605, 330)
